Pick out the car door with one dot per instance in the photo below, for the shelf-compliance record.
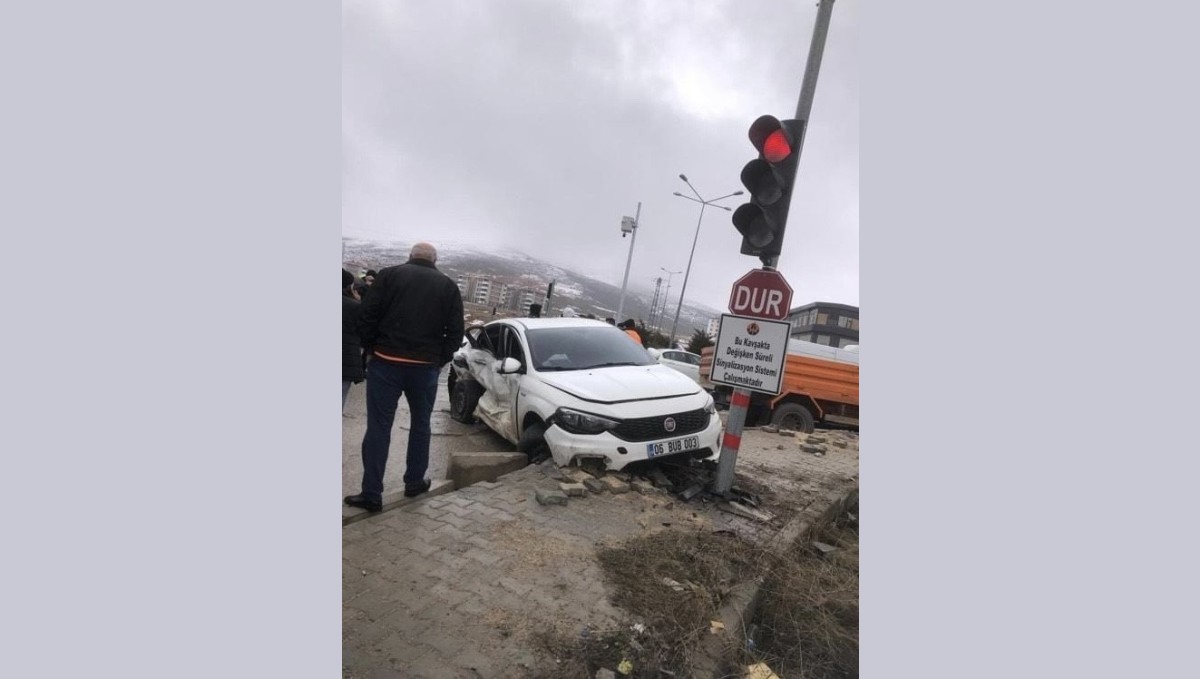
(497, 405)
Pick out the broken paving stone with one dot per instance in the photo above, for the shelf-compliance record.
(624, 476)
(809, 448)
(573, 489)
(691, 492)
(642, 486)
(550, 497)
(576, 475)
(771, 429)
(840, 444)
(594, 485)
(658, 478)
(605, 674)
(787, 432)
(615, 485)
(824, 548)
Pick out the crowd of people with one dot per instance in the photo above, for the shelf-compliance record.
(400, 326)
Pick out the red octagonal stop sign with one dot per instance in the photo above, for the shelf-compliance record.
(761, 294)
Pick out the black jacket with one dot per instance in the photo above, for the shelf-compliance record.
(412, 311)
(352, 360)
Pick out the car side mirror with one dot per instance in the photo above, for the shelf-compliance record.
(509, 366)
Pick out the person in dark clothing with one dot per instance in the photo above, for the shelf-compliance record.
(410, 325)
(352, 359)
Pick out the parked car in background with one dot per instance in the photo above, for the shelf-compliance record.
(579, 389)
(683, 361)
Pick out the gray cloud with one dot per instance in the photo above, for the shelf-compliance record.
(540, 124)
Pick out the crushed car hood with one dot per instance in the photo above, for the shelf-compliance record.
(621, 383)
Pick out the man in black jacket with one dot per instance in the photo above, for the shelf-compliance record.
(410, 324)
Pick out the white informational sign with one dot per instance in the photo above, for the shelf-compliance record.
(750, 353)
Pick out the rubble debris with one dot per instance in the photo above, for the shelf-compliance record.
(573, 489)
(672, 584)
(824, 548)
(658, 478)
(787, 432)
(605, 674)
(771, 429)
(758, 671)
(594, 485)
(716, 626)
(691, 491)
(739, 509)
(615, 485)
(550, 497)
(642, 486)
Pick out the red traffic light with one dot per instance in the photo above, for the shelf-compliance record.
(776, 147)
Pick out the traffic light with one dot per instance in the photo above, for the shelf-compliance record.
(769, 179)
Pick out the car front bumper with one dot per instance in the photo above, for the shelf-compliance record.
(566, 447)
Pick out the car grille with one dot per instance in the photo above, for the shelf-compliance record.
(651, 428)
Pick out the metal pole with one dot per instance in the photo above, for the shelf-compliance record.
(740, 402)
(636, 220)
(683, 290)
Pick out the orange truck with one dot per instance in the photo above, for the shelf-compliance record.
(820, 386)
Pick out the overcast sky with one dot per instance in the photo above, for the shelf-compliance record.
(541, 123)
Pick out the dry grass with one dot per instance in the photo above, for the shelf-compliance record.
(706, 565)
(807, 619)
(805, 626)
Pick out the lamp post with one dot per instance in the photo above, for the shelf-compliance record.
(703, 204)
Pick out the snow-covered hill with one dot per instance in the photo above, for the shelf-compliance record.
(581, 293)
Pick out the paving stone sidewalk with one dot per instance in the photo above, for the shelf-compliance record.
(458, 585)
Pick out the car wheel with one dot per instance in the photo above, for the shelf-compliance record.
(793, 416)
(463, 399)
(533, 442)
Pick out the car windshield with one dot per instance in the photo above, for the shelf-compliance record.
(583, 348)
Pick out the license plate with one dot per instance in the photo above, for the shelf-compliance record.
(673, 446)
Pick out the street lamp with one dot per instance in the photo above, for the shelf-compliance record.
(703, 204)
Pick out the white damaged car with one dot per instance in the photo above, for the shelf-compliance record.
(581, 388)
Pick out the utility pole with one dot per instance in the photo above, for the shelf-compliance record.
(628, 226)
(740, 401)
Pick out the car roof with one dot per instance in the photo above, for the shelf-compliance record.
(536, 323)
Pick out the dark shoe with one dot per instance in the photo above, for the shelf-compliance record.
(364, 502)
(413, 491)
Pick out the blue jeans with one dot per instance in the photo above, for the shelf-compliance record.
(386, 382)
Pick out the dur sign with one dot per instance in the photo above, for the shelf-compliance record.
(761, 294)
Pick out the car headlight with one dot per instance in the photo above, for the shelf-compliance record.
(578, 422)
(711, 406)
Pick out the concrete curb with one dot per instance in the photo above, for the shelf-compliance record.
(743, 599)
(394, 500)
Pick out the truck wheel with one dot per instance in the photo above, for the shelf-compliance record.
(793, 416)
(533, 442)
(463, 399)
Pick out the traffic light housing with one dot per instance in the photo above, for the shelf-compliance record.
(769, 180)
